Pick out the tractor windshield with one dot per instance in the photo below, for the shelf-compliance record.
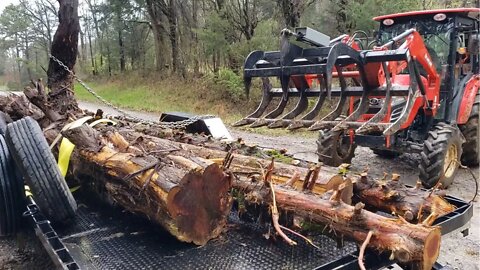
(436, 36)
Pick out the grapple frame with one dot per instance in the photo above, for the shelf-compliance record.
(373, 73)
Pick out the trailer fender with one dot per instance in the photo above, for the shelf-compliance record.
(471, 90)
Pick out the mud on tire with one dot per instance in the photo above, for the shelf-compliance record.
(333, 148)
(441, 150)
(35, 161)
(12, 199)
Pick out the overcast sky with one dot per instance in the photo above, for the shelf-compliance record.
(4, 3)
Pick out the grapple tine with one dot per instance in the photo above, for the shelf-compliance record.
(302, 104)
(408, 106)
(362, 106)
(284, 80)
(306, 120)
(266, 99)
(247, 81)
(383, 111)
(338, 108)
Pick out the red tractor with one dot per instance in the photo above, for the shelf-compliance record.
(415, 88)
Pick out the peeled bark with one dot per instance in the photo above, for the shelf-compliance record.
(187, 198)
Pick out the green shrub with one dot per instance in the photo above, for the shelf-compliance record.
(230, 84)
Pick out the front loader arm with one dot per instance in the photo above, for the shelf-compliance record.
(420, 56)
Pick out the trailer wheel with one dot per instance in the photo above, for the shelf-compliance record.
(11, 195)
(33, 157)
(333, 148)
(471, 148)
(3, 123)
(385, 153)
(441, 155)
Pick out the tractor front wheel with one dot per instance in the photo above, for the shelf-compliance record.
(333, 148)
(441, 154)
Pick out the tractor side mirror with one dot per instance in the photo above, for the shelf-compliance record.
(473, 46)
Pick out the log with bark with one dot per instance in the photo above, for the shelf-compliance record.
(388, 196)
(412, 203)
(188, 199)
(416, 245)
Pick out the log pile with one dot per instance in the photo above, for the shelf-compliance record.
(185, 188)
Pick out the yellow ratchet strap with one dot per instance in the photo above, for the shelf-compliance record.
(66, 147)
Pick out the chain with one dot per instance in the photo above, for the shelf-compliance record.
(127, 116)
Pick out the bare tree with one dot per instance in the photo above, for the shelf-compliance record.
(65, 49)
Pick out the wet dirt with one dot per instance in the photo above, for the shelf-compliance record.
(23, 251)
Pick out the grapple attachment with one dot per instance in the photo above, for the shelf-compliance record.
(307, 57)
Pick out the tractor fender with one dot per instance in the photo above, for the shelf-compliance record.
(468, 98)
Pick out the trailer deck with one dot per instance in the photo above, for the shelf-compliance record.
(104, 237)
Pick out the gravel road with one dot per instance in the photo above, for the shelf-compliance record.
(462, 253)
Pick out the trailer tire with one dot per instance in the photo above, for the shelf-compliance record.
(333, 149)
(3, 123)
(471, 132)
(441, 155)
(12, 199)
(33, 157)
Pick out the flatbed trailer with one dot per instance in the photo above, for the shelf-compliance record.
(106, 237)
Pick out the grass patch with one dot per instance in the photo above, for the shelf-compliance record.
(197, 96)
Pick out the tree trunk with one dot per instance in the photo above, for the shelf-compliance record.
(121, 50)
(27, 57)
(413, 204)
(189, 199)
(173, 25)
(92, 54)
(291, 11)
(158, 29)
(65, 49)
(195, 45)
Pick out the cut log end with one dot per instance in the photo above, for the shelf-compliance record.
(432, 249)
(200, 204)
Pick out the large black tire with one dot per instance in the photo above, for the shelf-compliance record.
(33, 157)
(441, 155)
(470, 130)
(333, 148)
(3, 123)
(385, 153)
(12, 199)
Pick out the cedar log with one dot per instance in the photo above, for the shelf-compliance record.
(414, 204)
(390, 197)
(189, 199)
(416, 245)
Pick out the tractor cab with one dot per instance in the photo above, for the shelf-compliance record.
(451, 38)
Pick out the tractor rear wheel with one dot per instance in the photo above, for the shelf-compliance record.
(441, 154)
(471, 147)
(333, 148)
